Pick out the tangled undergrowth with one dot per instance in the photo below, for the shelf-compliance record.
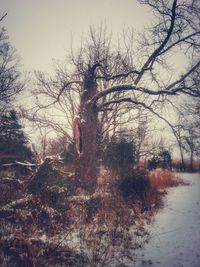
(57, 224)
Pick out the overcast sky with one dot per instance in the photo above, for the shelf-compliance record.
(43, 29)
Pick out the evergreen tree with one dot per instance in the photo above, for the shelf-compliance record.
(165, 159)
(13, 142)
(162, 160)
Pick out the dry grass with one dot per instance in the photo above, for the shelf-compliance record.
(161, 179)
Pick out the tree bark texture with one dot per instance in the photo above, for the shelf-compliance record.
(85, 134)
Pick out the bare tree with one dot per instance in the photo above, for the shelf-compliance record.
(10, 83)
(191, 130)
(103, 76)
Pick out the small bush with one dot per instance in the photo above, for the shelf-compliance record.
(162, 160)
(153, 163)
(47, 176)
(135, 185)
(119, 156)
(68, 154)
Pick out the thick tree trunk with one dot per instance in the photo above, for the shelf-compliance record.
(85, 133)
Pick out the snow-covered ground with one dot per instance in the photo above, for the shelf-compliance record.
(175, 233)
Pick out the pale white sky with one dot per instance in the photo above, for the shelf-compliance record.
(42, 30)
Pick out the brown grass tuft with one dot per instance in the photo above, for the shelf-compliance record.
(161, 179)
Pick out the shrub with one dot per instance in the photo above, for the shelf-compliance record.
(135, 185)
(119, 155)
(153, 163)
(162, 160)
(165, 159)
(68, 154)
(48, 176)
(45, 176)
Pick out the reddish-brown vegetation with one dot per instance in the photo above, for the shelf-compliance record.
(161, 179)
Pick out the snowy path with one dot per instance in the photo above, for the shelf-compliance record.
(175, 234)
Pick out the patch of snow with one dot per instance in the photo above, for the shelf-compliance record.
(175, 234)
(17, 202)
(26, 164)
(10, 179)
(43, 238)
(79, 198)
(82, 121)
(7, 164)
(76, 117)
